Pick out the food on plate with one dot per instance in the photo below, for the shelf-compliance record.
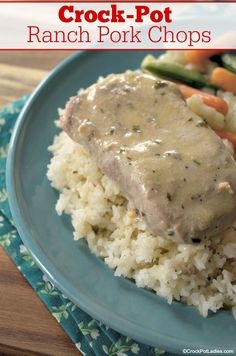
(219, 110)
(178, 73)
(224, 79)
(230, 136)
(229, 62)
(148, 181)
(145, 138)
(198, 57)
(215, 102)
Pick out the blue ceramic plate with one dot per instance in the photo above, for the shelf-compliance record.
(81, 276)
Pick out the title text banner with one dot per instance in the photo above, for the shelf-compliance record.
(84, 25)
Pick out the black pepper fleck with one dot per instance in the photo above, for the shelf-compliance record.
(159, 84)
(169, 196)
(91, 136)
(136, 128)
(95, 229)
(122, 150)
(202, 124)
(196, 241)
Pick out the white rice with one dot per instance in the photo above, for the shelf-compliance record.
(201, 275)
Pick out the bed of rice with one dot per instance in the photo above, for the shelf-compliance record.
(200, 275)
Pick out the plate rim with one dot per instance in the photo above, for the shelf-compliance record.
(100, 313)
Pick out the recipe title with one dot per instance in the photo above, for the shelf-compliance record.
(116, 25)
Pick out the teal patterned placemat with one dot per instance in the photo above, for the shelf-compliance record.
(89, 336)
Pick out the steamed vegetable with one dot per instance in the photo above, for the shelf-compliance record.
(224, 79)
(229, 62)
(214, 119)
(215, 102)
(199, 57)
(227, 135)
(178, 73)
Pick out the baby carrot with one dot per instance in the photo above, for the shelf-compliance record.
(224, 79)
(228, 135)
(210, 100)
(198, 57)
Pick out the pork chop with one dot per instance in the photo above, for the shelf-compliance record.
(164, 158)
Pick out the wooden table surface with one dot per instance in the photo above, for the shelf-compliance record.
(26, 327)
